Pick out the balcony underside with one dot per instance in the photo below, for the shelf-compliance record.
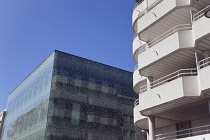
(200, 4)
(192, 111)
(138, 84)
(175, 17)
(143, 124)
(203, 44)
(175, 104)
(198, 108)
(204, 77)
(180, 59)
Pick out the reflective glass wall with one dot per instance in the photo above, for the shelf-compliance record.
(90, 101)
(28, 105)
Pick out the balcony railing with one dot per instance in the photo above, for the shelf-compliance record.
(185, 133)
(168, 78)
(204, 63)
(142, 48)
(165, 35)
(136, 103)
(170, 32)
(200, 14)
(148, 8)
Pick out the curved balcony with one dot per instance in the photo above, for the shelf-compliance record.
(141, 9)
(181, 27)
(173, 90)
(160, 16)
(138, 8)
(171, 42)
(138, 80)
(137, 47)
(201, 30)
(139, 120)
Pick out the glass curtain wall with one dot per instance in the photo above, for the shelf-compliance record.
(28, 105)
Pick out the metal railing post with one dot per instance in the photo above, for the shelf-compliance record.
(178, 74)
(169, 77)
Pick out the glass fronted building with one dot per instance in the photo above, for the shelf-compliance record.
(72, 98)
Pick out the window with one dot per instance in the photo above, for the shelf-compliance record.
(75, 115)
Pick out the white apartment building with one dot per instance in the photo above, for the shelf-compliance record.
(172, 49)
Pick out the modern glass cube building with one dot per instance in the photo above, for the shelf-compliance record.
(72, 98)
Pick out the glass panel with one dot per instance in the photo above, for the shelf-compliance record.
(75, 115)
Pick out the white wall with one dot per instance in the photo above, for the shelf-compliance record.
(185, 86)
(204, 76)
(201, 27)
(178, 40)
(160, 10)
(141, 7)
(186, 39)
(190, 86)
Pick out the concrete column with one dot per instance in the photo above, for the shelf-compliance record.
(147, 135)
(151, 121)
(149, 81)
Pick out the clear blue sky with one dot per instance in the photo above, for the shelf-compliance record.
(30, 30)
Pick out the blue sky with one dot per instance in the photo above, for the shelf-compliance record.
(30, 30)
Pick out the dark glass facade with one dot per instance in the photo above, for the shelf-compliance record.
(72, 98)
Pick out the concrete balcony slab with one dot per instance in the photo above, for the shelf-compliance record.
(169, 95)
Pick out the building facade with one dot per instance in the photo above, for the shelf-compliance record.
(72, 98)
(172, 49)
